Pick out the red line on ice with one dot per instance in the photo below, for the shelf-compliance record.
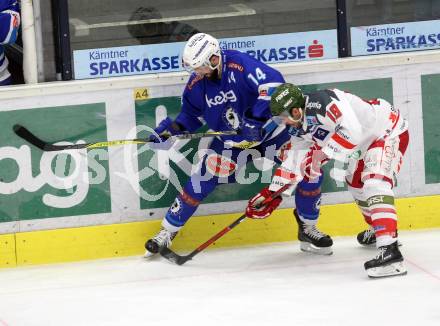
(423, 270)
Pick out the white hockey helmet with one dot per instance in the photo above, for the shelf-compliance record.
(198, 51)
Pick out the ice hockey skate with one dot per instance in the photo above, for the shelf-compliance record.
(388, 262)
(311, 239)
(367, 238)
(160, 240)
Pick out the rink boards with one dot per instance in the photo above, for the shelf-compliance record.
(118, 240)
(107, 202)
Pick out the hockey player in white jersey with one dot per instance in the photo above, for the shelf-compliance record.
(371, 136)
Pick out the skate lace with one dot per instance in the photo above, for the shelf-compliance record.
(368, 234)
(164, 238)
(313, 232)
(381, 253)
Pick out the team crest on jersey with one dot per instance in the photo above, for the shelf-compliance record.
(320, 134)
(220, 166)
(176, 207)
(231, 118)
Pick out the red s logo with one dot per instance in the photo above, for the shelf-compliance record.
(316, 50)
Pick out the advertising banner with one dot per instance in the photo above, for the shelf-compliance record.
(431, 121)
(159, 58)
(36, 184)
(389, 38)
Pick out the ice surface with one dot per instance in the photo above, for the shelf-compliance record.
(265, 285)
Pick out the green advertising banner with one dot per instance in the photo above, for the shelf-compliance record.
(158, 189)
(36, 184)
(431, 123)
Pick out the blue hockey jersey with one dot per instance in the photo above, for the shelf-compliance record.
(9, 24)
(243, 90)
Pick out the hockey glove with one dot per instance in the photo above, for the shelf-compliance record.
(312, 163)
(251, 129)
(161, 137)
(254, 211)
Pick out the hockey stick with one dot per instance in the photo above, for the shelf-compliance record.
(180, 260)
(24, 133)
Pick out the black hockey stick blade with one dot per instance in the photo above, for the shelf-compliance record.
(24, 133)
(173, 257)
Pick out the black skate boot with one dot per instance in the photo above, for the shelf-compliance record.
(162, 239)
(367, 237)
(313, 240)
(388, 262)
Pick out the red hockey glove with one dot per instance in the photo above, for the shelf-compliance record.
(313, 162)
(254, 211)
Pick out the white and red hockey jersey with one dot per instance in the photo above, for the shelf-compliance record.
(339, 125)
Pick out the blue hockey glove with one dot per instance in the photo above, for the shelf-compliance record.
(161, 137)
(251, 129)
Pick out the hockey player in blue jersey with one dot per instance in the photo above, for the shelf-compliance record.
(229, 90)
(9, 24)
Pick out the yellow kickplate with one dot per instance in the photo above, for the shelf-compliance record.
(7, 250)
(104, 241)
(74, 244)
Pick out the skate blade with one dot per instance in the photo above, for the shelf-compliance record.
(392, 269)
(308, 247)
(149, 255)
